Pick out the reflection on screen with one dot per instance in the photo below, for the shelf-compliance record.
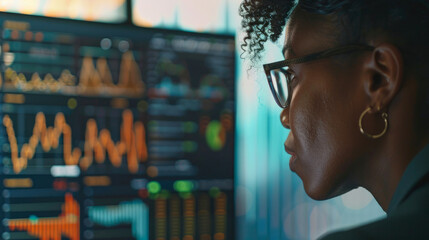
(112, 11)
(115, 133)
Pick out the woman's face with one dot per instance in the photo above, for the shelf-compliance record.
(324, 138)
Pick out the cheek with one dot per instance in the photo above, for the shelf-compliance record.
(310, 122)
(311, 112)
(324, 130)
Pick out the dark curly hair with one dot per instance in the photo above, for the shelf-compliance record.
(404, 22)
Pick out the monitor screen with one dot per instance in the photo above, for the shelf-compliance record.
(115, 132)
(214, 16)
(110, 11)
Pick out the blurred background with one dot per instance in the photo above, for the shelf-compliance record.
(137, 119)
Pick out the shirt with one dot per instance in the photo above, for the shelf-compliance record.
(408, 212)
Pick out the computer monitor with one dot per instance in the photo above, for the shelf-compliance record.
(112, 131)
(109, 11)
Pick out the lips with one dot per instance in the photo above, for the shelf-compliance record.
(293, 157)
(289, 151)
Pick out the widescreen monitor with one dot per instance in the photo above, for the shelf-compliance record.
(115, 132)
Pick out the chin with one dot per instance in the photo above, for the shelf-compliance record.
(317, 191)
(316, 194)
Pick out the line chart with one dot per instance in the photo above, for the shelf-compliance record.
(97, 143)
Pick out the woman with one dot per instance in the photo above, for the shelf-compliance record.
(355, 93)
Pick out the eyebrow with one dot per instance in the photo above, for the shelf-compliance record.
(287, 47)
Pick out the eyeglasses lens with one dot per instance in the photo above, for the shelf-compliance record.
(280, 84)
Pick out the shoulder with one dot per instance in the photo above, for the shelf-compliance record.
(410, 226)
(410, 220)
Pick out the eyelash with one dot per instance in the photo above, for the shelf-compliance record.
(293, 79)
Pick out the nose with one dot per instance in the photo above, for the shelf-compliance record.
(284, 118)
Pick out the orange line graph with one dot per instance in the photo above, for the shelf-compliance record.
(66, 224)
(132, 142)
(37, 83)
(94, 79)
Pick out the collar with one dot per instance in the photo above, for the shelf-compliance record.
(414, 172)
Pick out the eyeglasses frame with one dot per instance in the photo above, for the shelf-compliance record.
(308, 58)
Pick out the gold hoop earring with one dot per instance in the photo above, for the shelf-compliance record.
(383, 115)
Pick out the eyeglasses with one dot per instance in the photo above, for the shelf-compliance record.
(279, 77)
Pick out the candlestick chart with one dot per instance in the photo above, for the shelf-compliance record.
(115, 132)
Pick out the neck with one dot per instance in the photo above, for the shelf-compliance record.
(384, 167)
(387, 169)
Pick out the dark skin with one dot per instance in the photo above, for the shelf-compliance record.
(329, 95)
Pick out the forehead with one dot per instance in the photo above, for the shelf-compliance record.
(307, 33)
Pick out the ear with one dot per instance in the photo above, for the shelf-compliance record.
(385, 68)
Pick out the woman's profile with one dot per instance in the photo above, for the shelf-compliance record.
(354, 88)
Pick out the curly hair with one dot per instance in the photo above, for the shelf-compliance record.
(357, 20)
